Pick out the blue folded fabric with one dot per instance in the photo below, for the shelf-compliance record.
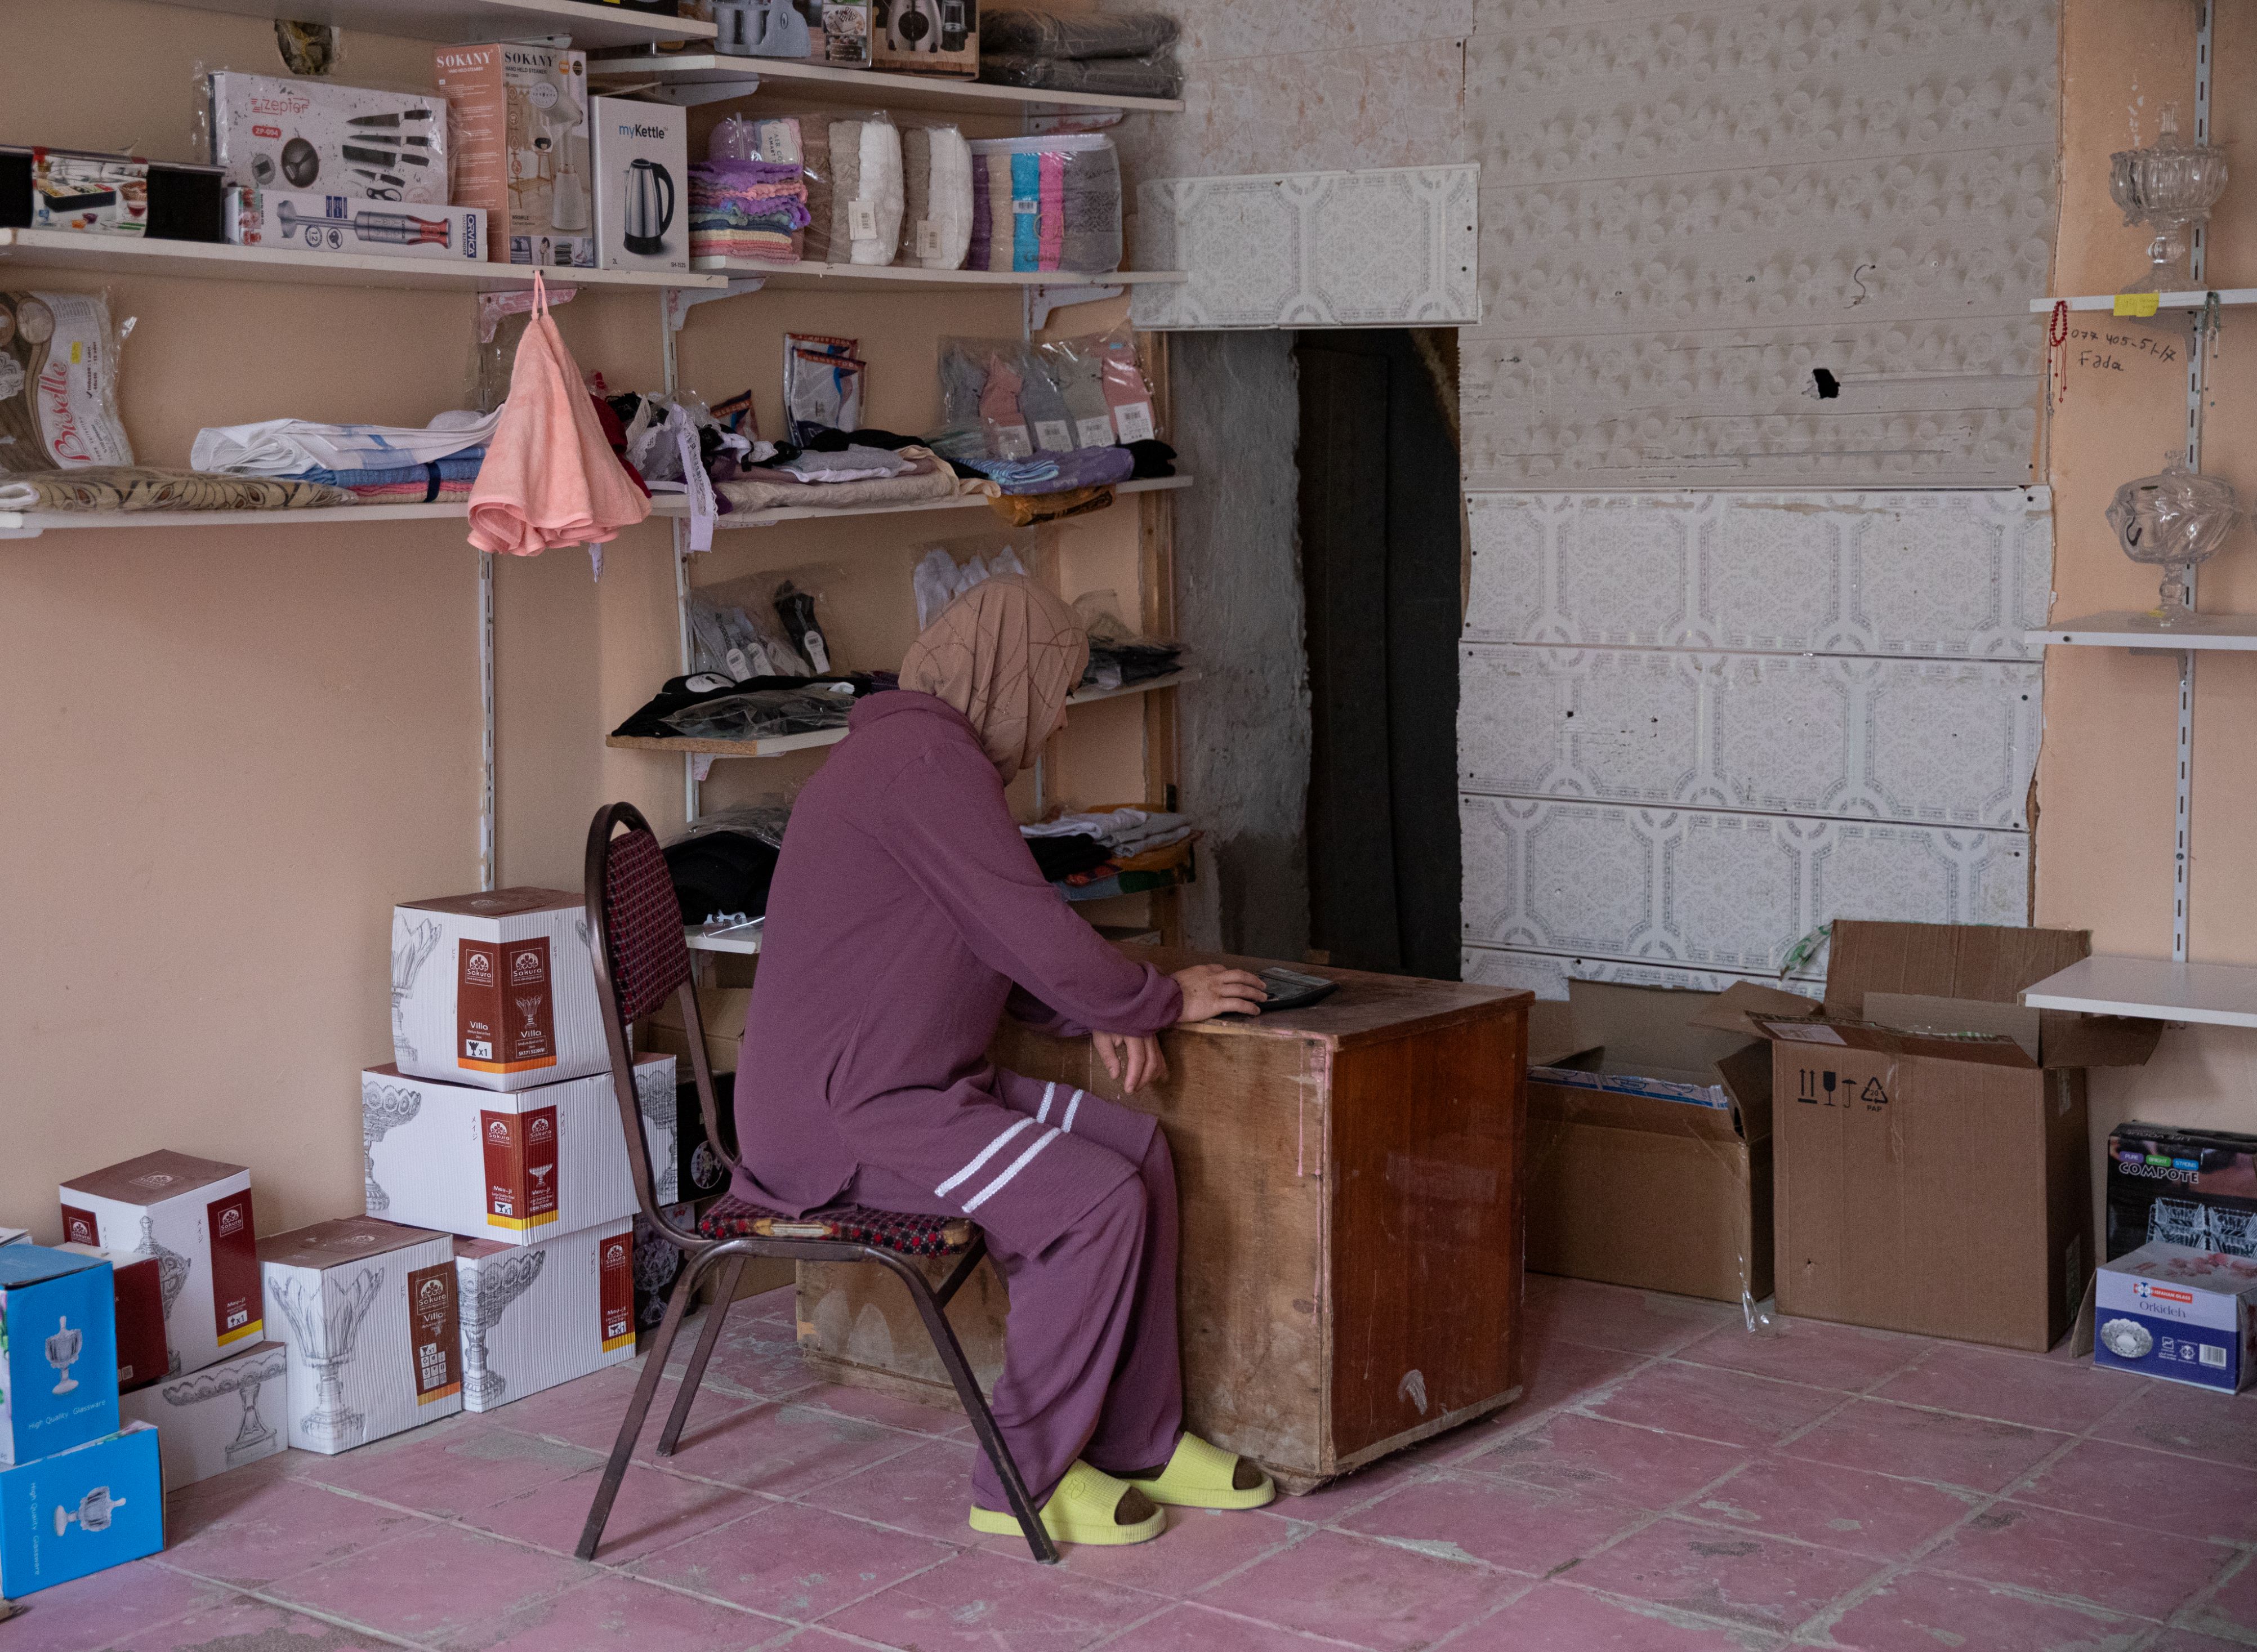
(1026, 212)
(456, 467)
(1059, 472)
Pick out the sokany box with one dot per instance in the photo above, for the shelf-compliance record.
(58, 1357)
(370, 1315)
(926, 37)
(194, 1217)
(309, 221)
(137, 1296)
(2178, 1313)
(81, 1511)
(535, 1316)
(641, 160)
(225, 1415)
(517, 117)
(495, 991)
(516, 1166)
(1932, 1171)
(2167, 1185)
(270, 133)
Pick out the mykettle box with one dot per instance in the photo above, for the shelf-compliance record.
(2178, 1313)
(495, 989)
(81, 1511)
(642, 185)
(58, 1358)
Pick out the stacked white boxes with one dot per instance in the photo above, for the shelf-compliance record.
(496, 1122)
(224, 1415)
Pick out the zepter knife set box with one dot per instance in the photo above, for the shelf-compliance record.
(270, 133)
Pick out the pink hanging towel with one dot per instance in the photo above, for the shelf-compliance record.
(1053, 198)
(549, 476)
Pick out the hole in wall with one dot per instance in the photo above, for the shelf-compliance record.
(1827, 387)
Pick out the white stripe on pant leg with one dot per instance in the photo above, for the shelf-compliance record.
(985, 1154)
(1017, 1165)
(1072, 1108)
(1042, 1112)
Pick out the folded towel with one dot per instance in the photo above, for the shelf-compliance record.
(290, 447)
(1083, 35)
(136, 487)
(927, 479)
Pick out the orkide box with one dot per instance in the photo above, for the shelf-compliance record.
(229, 1414)
(535, 1316)
(2174, 1186)
(513, 1168)
(1932, 1172)
(495, 991)
(2178, 1313)
(59, 1358)
(194, 1216)
(370, 1315)
(81, 1511)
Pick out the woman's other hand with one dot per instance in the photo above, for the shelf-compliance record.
(1132, 1060)
(1211, 990)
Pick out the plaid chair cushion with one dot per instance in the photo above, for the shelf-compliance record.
(732, 1217)
(643, 924)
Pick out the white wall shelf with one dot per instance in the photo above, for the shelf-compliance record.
(743, 938)
(783, 745)
(465, 20)
(2163, 300)
(672, 504)
(2152, 990)
(789, 76)
(218, 261)
(899, 278)
(2120, 628)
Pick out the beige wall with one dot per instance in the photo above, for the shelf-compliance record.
(2105, 784)
(229, 751)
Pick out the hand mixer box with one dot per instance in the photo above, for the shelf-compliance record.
(518, 124)
(349, 140)
(352, 224)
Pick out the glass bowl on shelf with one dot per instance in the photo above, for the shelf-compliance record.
(2176, 519)
(2170, 186)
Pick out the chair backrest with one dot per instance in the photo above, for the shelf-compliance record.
(635, 943)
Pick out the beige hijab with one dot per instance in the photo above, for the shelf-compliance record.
(1006, 653)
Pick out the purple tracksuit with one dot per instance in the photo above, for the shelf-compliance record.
(906, 911)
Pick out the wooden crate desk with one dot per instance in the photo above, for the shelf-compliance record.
(1350, 1180)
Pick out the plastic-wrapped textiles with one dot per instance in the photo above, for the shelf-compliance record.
(682, 696)
(937, 163)
(1046, 204)
(1087, 35)
(868, 189)
(740, 643)
(1060, 472)
(759, 714)
(748, 199)
(764, 820)
(58, 358)
(1106, 76)
(938, 581)
(1004, 400)
(822, 385)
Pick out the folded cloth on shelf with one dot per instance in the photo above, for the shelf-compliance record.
(868, 191)
(1052, 202)
(1107, 76)
(937, 164)
(1150, 458)
(139, 487)
(685, 694)
(441, 480)
(1030, 510)
(1116, 665)
(1058, 857)
(746, 208)
(760, 489)
(853, 462)
(765, 714)
(1059, 472)
(1126, 832)
(292, 447)
(1080, 35)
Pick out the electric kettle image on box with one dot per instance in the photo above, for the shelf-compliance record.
(650, 207)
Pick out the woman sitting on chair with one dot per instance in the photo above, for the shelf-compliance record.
(906, 913)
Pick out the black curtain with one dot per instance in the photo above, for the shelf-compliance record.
(1380, 559)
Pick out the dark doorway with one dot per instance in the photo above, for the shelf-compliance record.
(1380, 557)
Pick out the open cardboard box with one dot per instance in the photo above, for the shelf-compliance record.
(1929, 1133)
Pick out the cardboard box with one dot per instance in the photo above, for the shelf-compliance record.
(2181, 1314)
(370, 1315)
(94, 194)
(846, 33)
(137, 1295)
(194, 1216)
(354, 226)
(81, 1511)
(517, 119)
(538, 1315)
(495, 989)
(225, 1415)
(517, 1167)
(282, 134)
(2197, 1188)
(15, 1236)
(1932, 1168)
(1649, 1145)
(926, 37)
(722, 1010)
(58, 1358)
(642, 185)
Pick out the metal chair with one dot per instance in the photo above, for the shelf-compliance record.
(635, 935)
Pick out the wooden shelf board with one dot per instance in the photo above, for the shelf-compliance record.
(886, 89)
(468, 20)
(737, 937)
(210, 261)
(784, 744)
(2152, 989)
(2121, 628)
(897, 278)
(2163, 300)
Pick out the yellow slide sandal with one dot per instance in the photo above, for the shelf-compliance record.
(1203, 1476)
(1088, 1506)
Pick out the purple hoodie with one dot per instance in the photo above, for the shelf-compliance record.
(906, 908)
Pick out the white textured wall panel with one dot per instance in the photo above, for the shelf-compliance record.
(1913, 741)
(1935, 574)
(1688, 208)
(1547, 976)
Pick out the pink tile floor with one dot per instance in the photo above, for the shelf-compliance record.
(1671, 1483)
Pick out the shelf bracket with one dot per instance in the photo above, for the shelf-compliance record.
(13, 526)
(695, 93)
(680, 300)
(1040, 300)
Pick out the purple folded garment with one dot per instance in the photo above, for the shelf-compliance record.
(1059, 472)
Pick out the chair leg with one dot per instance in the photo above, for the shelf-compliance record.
(717, 1314)
(983, 1420)
(638, 1409)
